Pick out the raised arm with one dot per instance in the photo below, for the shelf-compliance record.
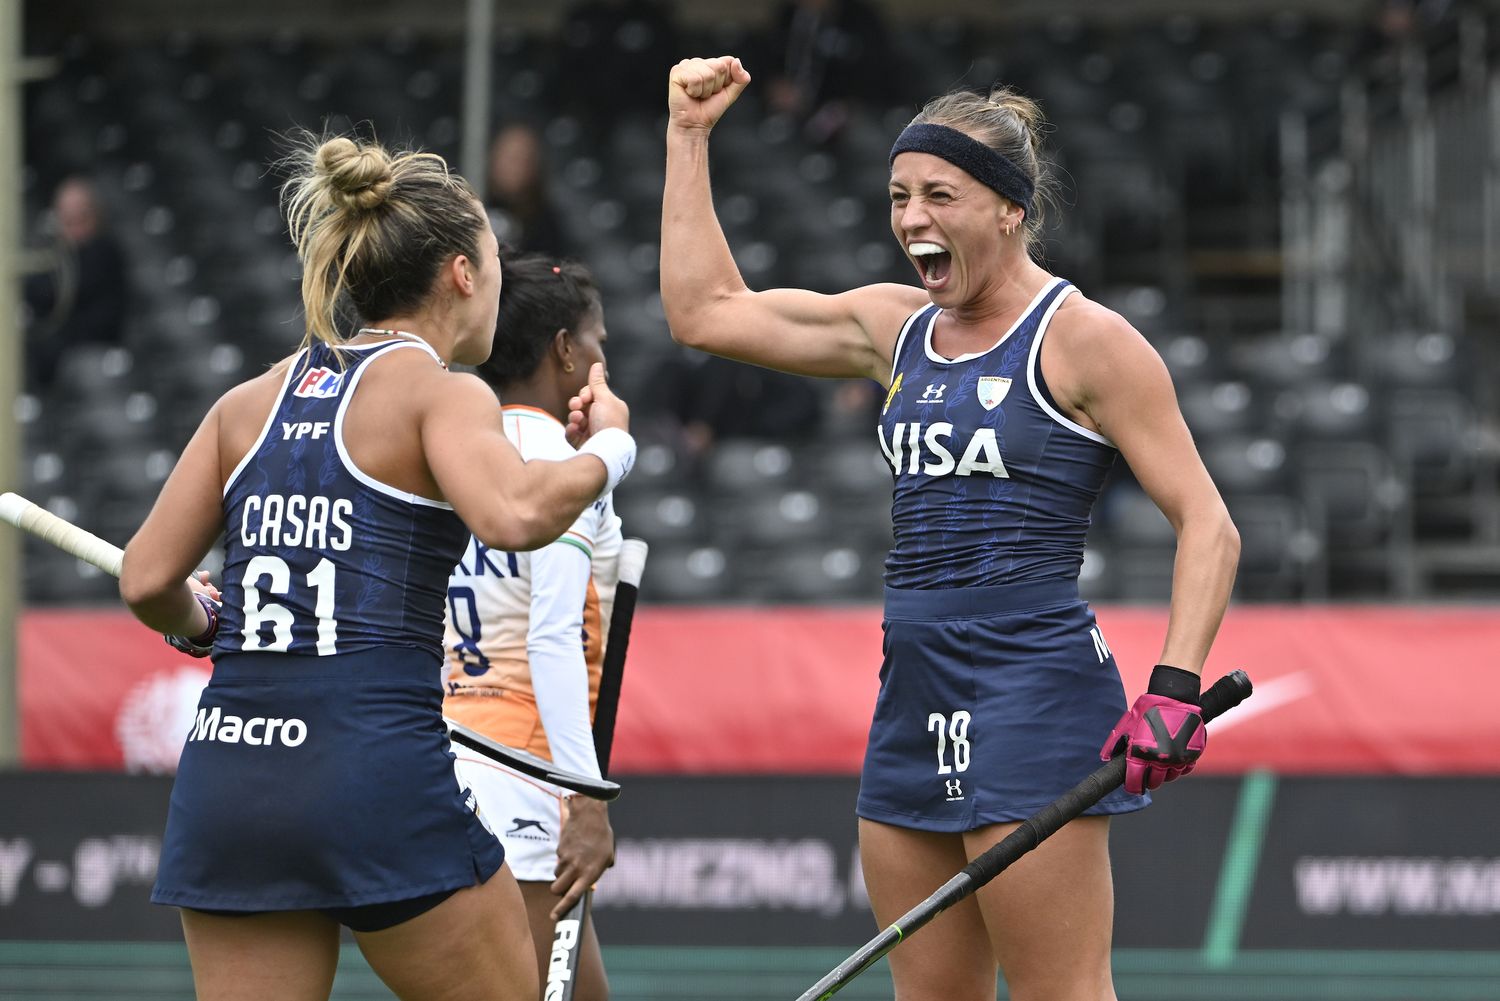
(708, 305)
(507, 502)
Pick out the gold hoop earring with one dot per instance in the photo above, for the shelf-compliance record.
(568, 367)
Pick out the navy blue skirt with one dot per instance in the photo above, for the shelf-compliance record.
(993, 702)
(320, 782)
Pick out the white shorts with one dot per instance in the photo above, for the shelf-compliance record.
(524, 813)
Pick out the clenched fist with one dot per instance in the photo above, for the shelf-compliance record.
(699, 91)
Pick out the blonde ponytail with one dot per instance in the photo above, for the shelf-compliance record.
(373, 226)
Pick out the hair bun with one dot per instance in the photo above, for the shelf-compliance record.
(359, 176)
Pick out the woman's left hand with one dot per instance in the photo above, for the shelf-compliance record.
(201, 584)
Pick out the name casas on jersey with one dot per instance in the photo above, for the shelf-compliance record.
(297, 521)
(295, 581)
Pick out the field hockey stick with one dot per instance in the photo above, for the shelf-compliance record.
(75, 541)
(567, 934)
(529, 764)
(48, 527)
(1226, 693)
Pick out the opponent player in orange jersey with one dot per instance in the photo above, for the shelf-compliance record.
(525, 631)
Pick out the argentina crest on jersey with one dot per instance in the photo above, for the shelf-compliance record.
(991, 390)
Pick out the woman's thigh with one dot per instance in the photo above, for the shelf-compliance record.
(590, 983)
(1050, 916)
(289, 955)
(474, 946)
(950, 959)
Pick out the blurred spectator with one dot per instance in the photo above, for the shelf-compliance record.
(830, 56)
(82, 298)
(713, 398)
(616, 54)
(1396, 25)
(519, 202)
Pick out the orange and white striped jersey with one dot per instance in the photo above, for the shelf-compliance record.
(524, 632)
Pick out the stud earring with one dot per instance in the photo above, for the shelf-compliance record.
(568, 367)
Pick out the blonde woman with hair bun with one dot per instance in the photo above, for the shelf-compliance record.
(317, 788)
(1009, 394)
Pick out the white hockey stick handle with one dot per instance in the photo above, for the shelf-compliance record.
(632, 561)
(48, 527)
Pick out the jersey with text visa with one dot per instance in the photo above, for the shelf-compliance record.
(993, 484)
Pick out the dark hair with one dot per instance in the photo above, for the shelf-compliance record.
(1009, 123)
(373, 227)
(539, 295)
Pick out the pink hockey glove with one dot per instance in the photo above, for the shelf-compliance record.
(1162, 734)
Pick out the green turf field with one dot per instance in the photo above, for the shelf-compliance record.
(134, 971)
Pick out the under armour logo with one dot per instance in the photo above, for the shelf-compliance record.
(955, 790)
(933, 394)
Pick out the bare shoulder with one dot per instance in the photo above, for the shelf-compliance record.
(1083, 325)
(467, 387)
(1096, 361)
(886, 305)
(881, 311)
(254, 396)
(411, 376)
(434, 390)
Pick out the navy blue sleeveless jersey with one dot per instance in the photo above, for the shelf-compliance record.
(993, 484)
(320, 558)
(317, 773)
(997, 687)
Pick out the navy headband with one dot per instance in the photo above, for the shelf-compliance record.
(996, 172)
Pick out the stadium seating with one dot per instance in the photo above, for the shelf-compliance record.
(1325, 445)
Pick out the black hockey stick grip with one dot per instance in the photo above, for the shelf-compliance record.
(1226, 693)
(617, 644)
(530, 764)
(568, 931)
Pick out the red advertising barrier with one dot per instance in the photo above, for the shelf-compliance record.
(1370, 690)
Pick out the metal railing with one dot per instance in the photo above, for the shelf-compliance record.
(1397, 222)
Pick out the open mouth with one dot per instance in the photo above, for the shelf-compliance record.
(934, 263)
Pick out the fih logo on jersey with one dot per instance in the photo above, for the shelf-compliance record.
(321, 383)
(992, 389)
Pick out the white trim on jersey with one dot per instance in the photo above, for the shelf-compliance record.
(938, 359)
(338, 434)
(270, 420)
(1034, 360)
(415, 342)
(901, 339)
